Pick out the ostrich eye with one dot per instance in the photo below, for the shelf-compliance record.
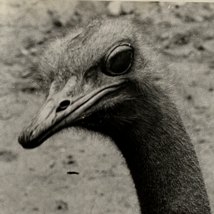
(119, 60)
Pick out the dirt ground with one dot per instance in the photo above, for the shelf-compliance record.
(36, 181)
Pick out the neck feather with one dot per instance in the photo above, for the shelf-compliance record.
(163, 165)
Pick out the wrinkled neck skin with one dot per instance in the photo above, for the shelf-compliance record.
(163, 165)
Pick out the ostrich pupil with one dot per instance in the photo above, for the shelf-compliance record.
(120, 62)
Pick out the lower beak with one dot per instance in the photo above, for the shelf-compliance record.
(55, 115)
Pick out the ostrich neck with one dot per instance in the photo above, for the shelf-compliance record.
(164, 166)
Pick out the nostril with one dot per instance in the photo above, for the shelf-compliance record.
(63, 105)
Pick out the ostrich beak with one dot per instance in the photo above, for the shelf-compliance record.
(58, 113)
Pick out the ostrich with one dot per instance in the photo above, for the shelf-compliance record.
(106, 78)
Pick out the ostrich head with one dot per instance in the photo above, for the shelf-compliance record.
(97, 78)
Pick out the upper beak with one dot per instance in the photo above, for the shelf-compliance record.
(58, 113)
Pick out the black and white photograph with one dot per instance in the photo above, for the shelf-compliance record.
(106, 107)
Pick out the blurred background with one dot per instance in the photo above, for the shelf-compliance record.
(36, 181)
